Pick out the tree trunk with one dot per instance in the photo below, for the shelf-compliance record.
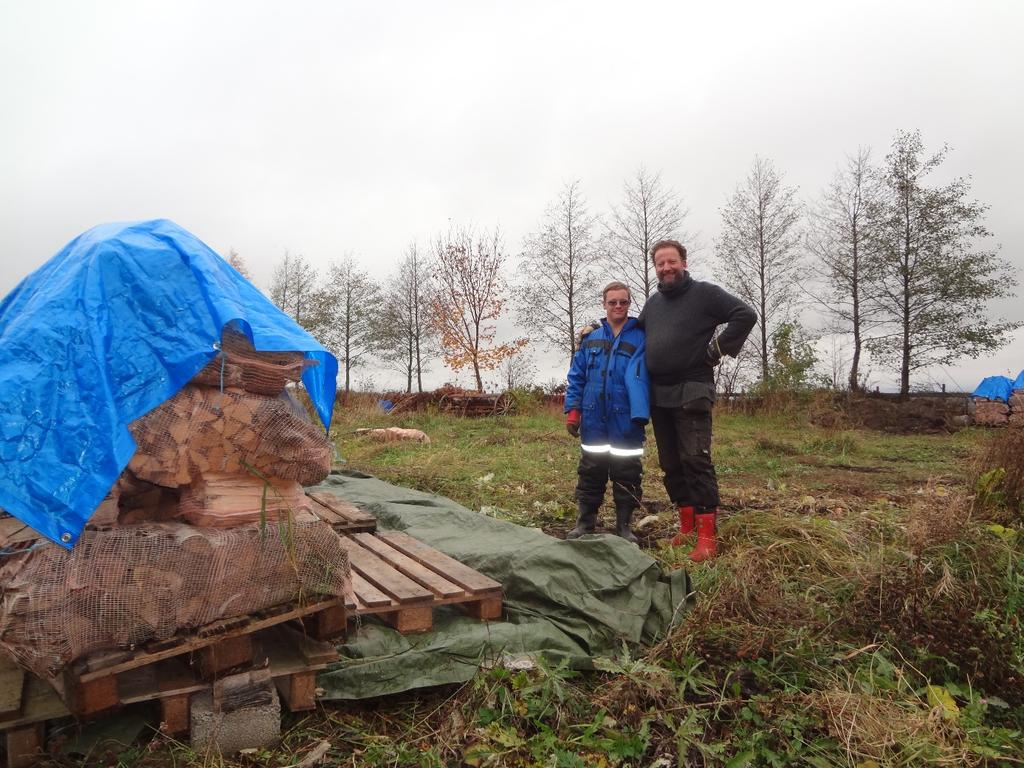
(855, 363)
(905, 363)
(476, 372)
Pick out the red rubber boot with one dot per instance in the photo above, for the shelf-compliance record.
(685, 526)
(707, 538)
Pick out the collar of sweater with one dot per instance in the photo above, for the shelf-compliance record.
(676, 288)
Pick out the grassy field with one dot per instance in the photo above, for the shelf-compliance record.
(863, 611)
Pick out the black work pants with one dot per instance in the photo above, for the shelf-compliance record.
(684, 454)
(596, 469)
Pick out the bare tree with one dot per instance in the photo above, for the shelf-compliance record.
(468, 298)
(758, 249)
(518, 371)
(346, 307)
(733, 374)
(934, 280)
(405, 338)
(558, 277)
(236, 261)
(839, 239)
(649, 212)
(292, 287)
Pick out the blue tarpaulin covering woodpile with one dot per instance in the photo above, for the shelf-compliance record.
(105, 331)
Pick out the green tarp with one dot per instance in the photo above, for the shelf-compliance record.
(572, 600)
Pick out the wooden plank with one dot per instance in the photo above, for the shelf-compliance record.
(103, 659)
(313, 652)
(12, 686)
(367, 594)
(343, 508)
(298, 691)
(449, 567)
(190, 644)
(325, 513)
(165, 679)
(412, 619)
(384, 576)
(332, 622)
(40, 702)
(9, 526)
(229, 653)
(25, 746)
(25, 534)
(87, 698)
(433, 581)
(175, 714)
(484, 609)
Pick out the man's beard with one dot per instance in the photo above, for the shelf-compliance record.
(668, 283)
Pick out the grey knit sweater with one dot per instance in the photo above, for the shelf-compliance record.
(680, 320)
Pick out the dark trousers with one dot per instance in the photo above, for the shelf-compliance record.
(596, 469)
(684, 454)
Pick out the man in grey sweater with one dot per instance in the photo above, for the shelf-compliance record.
(682, 351)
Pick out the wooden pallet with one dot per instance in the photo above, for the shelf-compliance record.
(401, 580)
(343, 515)
(283, 653)
(91, 685)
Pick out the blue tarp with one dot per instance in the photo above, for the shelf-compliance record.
(995, 388)
(1018, 383)
(105, 331)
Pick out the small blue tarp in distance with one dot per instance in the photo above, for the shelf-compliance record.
(995, 388)
(1019, 381)
(101, 334)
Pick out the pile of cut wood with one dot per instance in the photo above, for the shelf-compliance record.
(209, 521)
(996, 413)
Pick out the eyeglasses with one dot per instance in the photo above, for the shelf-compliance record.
(617, 302)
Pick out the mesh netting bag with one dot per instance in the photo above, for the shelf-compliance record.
(203, 430)
(132, 584)
(240, 365)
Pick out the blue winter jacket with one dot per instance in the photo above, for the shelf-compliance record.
(608, 384)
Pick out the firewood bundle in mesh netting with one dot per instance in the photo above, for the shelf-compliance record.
(131, 584)
(208, 521)
(203, 430)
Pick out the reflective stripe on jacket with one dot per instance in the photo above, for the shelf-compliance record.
(608, 383)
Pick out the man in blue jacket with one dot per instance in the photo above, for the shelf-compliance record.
(607, 405)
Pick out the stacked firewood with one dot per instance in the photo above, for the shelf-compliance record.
(237, 446)
(996, 413)
(183, 537)
(1016, 415)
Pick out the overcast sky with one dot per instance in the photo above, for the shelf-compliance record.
(328, 128)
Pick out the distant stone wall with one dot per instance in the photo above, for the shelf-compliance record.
(928, 413)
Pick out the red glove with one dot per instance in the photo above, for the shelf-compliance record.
(572, 422)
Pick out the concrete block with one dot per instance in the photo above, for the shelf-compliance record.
(229, 732)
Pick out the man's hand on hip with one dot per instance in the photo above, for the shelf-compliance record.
(713, 356)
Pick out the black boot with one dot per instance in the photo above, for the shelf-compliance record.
(623, 515)
(586, 521)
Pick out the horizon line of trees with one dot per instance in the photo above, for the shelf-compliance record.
(893, 262)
